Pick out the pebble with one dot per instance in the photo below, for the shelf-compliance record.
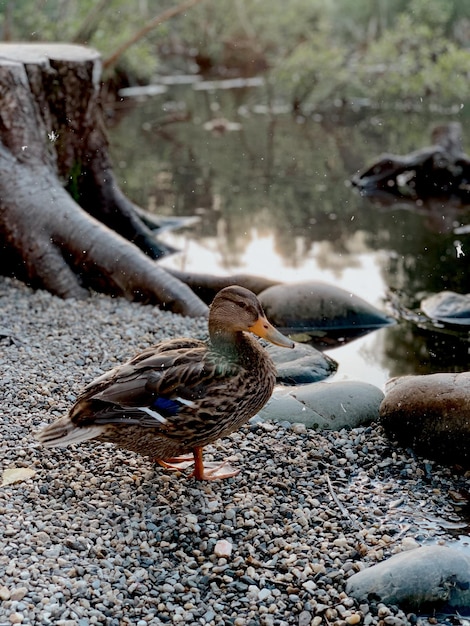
(103, 536)
(4, 593)
(264, 594)
(18, 593)
(223, 548)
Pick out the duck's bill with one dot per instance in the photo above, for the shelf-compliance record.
(264, 329)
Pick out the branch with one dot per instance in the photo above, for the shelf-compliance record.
(340, 506)
(157, 20)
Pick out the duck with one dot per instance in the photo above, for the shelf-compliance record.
(180, 395)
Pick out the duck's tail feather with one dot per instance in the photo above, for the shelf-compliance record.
(63, 433)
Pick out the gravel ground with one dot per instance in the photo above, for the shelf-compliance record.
(102, 536)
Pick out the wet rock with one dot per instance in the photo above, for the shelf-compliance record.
(430, 414)
(306, 306)
(325, 405)
(416, 579)
(448, 307)
(304, 364)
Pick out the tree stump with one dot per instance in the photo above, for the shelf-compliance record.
(64, 223)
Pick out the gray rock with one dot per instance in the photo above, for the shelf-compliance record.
(448, 307)
(430, 414)
(325, 405)
(416, 578)
(304, 364)
(306, 306)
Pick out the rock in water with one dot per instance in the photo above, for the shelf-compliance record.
(312, 305)
(448, 307)
(304, 364)
(430, 414)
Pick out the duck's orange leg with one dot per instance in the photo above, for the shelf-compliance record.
(209, 471)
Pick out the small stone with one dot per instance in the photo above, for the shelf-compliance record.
(18, 593)
(409, 543)
(355, 618)
(223, 548)
(310, 585)
(42, 537)
(4, 593)
(264, 594)
(383, 611)
(209, 615)
(230, 514)
(305, 618)
(392, 620)
(16, 618)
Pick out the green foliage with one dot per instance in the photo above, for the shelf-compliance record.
(366, 50)
(433, 13)
(413, 62)
(315, 51)
(315, 72)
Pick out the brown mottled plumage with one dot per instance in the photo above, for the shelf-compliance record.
(180, 395)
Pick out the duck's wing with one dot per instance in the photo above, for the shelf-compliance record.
(143, 359)
(153, 390)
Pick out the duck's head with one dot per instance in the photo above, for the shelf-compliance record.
(236, 309)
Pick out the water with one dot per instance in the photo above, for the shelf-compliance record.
(273, 200)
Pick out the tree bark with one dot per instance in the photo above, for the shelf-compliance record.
(64, 223)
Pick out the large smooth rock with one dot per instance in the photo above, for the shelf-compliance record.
(320, 406)
(430, 414)
(448, 307)
(432, 575)
(301, 365)
(306, 306)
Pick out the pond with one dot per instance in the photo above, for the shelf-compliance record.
(272, 196)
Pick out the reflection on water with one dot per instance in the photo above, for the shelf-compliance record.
(272, 200)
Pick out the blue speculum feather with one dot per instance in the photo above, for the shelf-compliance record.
(166, 406)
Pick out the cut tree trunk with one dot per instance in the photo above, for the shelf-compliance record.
(64, 223)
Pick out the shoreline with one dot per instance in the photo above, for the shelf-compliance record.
(102, 536)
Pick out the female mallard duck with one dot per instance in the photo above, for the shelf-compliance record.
(180, 395)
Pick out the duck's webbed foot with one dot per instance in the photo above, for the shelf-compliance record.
(212, 470)
(216, 471)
